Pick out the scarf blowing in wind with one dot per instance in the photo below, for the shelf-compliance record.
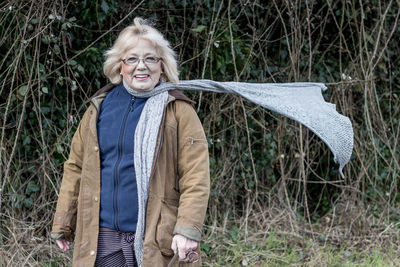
(302, 102)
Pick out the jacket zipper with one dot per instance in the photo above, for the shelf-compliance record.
(161, 137)
(130, 109)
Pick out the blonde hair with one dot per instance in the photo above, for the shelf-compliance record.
(128, 38)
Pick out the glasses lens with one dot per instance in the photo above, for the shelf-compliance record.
(151, 60)
(147, 60)
(131, 60)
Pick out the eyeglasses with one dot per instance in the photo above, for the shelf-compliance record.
(131, 61)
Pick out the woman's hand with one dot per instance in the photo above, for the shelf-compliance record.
(63, 244)
(182, 245)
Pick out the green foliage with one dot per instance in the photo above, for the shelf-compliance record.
(281, 250)
(51, 63)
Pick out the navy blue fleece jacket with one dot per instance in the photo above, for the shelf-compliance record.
(118, 118)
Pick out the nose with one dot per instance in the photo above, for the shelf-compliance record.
(141, 65)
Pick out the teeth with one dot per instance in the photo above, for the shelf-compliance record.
(141, 75)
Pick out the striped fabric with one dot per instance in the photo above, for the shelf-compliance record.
(115, 249)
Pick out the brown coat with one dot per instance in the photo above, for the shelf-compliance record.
(178, 188)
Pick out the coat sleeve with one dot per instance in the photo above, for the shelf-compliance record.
(64, 220)
(193, 172)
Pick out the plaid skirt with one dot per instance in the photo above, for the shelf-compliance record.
(115, 249)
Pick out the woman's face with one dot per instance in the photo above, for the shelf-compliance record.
(141, 75)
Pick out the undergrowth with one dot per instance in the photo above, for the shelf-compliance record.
(276, 196)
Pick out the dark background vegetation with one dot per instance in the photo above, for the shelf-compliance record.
(271, 177)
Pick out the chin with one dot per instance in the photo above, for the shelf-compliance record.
(142, 86)
(143, 89)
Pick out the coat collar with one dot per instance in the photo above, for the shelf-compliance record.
(99, 96)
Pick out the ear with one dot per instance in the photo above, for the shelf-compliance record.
(120, 68)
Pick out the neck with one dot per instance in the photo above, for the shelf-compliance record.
(155, 91)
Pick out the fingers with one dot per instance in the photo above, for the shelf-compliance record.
(191, 245)
(173, 245)
(182, 246)
(182, 251)
(63, 244)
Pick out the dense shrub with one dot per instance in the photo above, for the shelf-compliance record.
(51, 63)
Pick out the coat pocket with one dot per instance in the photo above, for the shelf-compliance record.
(166, 224)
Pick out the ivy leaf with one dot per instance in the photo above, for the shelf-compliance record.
(57, 49)
(72, 62)
(26, 141)
(199, 28)
(60, 149)
(81, 69)
(45, 40)
(22, 90)
(45, 90)
(105, 6)
(74, 87)
(31, 188)
(28, 202)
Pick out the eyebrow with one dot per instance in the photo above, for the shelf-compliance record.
(147, 54)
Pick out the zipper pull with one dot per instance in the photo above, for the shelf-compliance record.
(132, 102)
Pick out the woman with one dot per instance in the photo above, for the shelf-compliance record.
(136, 185)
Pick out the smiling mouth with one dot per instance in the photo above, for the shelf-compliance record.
(141, 77)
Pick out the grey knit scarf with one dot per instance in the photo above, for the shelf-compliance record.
(146, 134)
(302, 102)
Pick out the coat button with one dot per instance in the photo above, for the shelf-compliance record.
(96, 148)
(96, 198)
(92, 252)
(147, 250)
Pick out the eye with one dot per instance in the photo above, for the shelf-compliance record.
(151, 59)
(131, 60)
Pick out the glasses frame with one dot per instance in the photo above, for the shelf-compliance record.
(144, 61)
